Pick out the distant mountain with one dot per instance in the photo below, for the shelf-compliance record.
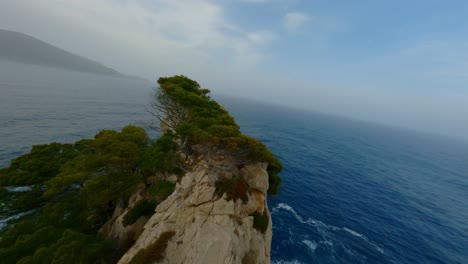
(19, 47)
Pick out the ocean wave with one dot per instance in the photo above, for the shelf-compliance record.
(354, 233)
(4, 221)
(320, 224)
(312, 245)
(299, 218)
(18, 188)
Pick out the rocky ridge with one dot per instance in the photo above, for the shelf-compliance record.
(209, 228)
(218, 211)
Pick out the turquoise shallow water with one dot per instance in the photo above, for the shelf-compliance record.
(353, 192)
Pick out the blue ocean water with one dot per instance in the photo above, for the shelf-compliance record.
(355, 192)
(352, 192)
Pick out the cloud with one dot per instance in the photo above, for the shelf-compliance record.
(164, 35)
(261, 37)
(293, 21)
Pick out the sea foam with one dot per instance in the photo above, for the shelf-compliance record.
(320, 224)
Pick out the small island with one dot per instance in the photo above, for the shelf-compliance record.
(197, 194)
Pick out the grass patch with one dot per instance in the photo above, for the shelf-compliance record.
(235, 188)
(161, 189)
(261, 221)
(143, 208)
(155, 251)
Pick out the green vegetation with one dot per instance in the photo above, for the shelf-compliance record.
(20, 201)
(41, 164)
(261, 221)
(75, 188)
(60, 232)
(235, 189)
(71, 246)
(143, 208)
(274, 181)
(155, 251)
(162, 156)
(197, 119)
(108, 164)
(161, 189)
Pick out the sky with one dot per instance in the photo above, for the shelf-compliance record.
(397, 62)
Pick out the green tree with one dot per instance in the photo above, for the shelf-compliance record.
(205, 121)
(41, 164)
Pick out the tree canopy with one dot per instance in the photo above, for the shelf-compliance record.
(74, 188)
(203, 120)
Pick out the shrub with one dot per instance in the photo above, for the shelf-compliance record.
(143, 208)
(205, 121)
(235, 188)
(40, 164)
(161, 189)
(162, 157)
(261, 221)
(111, 157)
(274, 183)
(155, 251)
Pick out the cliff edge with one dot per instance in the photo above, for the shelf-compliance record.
(206, 226)
(197, 194)
(218, 211)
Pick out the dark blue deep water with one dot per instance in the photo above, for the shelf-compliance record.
(352, 192)
(360, 193)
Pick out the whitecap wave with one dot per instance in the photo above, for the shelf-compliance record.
(302, 220)
(320, 224)
(312, 245)
(354, 233)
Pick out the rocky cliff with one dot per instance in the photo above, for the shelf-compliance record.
(206, 226)
(218, 211)
(196, 194)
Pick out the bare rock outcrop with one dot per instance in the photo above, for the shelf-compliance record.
(211, 227)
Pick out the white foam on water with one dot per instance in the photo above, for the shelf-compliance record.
(3, 222)
(312, 245)
(326, 242)
(302, 220)
(320, 224)
(18, 188)
(281, 261)
(380, 250)
(354, 233)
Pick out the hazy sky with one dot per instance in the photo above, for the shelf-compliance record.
(397, 62)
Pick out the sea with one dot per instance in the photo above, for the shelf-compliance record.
(352, 192)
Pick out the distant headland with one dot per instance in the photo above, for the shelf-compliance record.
(22, 48)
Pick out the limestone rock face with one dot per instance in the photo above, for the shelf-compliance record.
(209, 228)
(115, 230)
(256, 176)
